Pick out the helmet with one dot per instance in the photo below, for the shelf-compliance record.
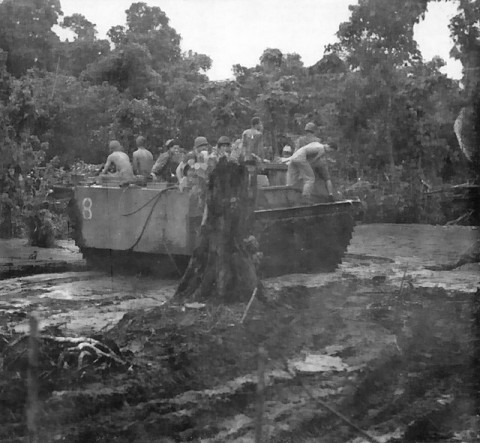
(140, 141)
(170, 143)
(115, 145)
(200, 141)
(310, 127)
(223, 140)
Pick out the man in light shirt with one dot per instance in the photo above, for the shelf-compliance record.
(301, 166)
(252, 141)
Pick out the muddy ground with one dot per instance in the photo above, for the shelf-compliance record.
(387, 343)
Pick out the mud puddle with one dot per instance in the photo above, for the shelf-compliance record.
(384, 341)
(78, 302)
(400, 365)
(396, 255)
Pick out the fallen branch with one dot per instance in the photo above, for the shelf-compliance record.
(460, 219)
(252, 298)
(79, 348)
(85, 347)
(400, 292)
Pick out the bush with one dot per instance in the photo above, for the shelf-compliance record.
(410, 204)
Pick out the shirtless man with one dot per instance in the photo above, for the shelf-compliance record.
(120, 160)
(142, 158)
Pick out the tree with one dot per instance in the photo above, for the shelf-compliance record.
(274, 89)
(465, 30)
(127, 67)
(117, 35)
(231, 111)
(271, 59)
(329, 64)
(58, 114)
(84, 29)
(85, 49)
(278, 105)
(149, 26)
(145, 116)
(26, 34)
(378, 39)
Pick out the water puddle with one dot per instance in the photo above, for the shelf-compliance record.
(90, 303)
(314, 363)
(402, 272)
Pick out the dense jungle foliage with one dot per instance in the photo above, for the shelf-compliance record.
(390, 112)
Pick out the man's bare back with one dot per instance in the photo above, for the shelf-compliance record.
(122, 164)
(142, 162)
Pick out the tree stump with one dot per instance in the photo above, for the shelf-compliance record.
(224, 265)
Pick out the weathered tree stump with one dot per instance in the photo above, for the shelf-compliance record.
(224, 264)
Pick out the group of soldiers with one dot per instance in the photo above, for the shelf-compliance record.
(306, 162)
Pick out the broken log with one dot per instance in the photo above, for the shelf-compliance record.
(223, 266)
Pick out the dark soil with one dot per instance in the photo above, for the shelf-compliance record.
(189, 373)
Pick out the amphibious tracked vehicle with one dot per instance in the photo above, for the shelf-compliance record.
(155, 226)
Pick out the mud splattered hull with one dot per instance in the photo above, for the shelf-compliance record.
(154, 230)
(289, 245)
(130, 262)
(305, 239)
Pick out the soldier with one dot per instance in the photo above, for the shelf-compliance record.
(286, 151)
(302, 165)
(252, 141)
(224, 147)
(142, 158)
(200, 146)
(120, 160)
(186, 159)
(167, 163)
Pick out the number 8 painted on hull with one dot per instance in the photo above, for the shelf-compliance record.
(87, 208)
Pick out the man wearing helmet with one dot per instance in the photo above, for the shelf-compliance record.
(142, 158)
(200, 147)
(224, 147)
(120, 160)
(167, 163)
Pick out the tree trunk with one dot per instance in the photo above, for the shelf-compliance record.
(223, 265)
(389, 143)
